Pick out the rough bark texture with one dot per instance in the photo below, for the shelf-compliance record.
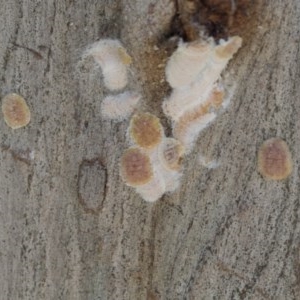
(71, 229)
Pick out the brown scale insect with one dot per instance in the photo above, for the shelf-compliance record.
(136, 167)
(274, 159)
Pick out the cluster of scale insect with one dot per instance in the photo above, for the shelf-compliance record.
(194, 72)
(157, 170)
(114, 62)
(152, 165)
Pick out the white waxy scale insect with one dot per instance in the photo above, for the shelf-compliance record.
(113, 60)
(120, 106)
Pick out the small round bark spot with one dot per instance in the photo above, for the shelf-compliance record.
(15, 111)
(136, 167)
(274, 159)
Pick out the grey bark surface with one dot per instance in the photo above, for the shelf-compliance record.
(71, 229)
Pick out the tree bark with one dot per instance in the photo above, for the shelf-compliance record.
(71, 229)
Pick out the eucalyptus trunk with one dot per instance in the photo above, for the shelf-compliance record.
(70, 227)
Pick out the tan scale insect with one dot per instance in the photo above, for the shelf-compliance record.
(146, 130)
(15, 111)
(274, 159)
